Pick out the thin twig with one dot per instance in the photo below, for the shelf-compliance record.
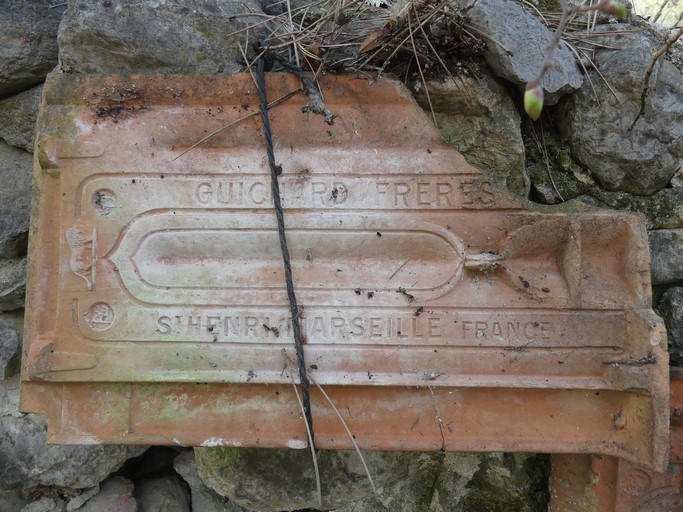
(610, 33)
(488, 37)
(341, 419)
(593, 44)
(251, 114)
(554, 41)
(291, 22)
(267, 18)
(419, 67)
(348, 431)
(576, 51)
(661, 9)
(646, 86)
(246, 60)
(609, 86)
(532, 6)
(591, 26)
(567, 16)
(314, 456)
(437, 413)
(398, 47)
(547, 163)
(443, 64)
(399, 268)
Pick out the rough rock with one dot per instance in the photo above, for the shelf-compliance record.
(671, 310)
(273, 480)
(12, 284)
(46, 504)
(561, 179)
(641, 161)
(270, 480)
(677, 180)
(15, 199)
(27, 461)
(12, 501)
(494, 481)
(18, 115)
(663, 210)
(549, 186)
(10, 339)
(28, 42)
(9, 402)
(116, 495)
(479, 119)
(666, 250)
(77, 501)
(171, 36)
(413, 491)
(165, 494)
(203, 498)
(467, 481)
(514, 58)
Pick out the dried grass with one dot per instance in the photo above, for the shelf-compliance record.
(413, 39)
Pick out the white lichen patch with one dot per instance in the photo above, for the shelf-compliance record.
(296, 444)
(214, 442)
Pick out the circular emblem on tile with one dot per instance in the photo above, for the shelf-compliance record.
(100, 316)
(636, 482)
(103, 201)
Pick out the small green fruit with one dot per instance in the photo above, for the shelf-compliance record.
(533, 100)
(612, 7)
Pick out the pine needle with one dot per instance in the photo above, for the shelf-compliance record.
(341, 419)
(237, 121)
(546, 159)
(419, 67)
(309, 434)
(348, 431)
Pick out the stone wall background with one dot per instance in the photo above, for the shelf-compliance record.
(666, 12)
(583, 151)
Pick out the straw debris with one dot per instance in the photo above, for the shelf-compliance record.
(417, 40)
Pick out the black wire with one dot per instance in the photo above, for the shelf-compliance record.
(275, 171)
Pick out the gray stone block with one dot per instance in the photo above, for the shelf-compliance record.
(18, 115)
(203, 497)
(10, 340)
(666, 254)
(15, 199)
(26, 460)
(597, 124)
(148, 36)
(671, 310)
(116, 495)
(12, 284)
(165, 494)
(478, 118)
(28, 42)
(516, 47)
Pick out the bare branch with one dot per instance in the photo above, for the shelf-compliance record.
(533, 95)
(646, 85)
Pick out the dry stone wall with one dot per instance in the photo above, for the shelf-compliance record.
(585, 152)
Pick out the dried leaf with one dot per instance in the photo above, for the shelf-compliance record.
(377, 37)
(371, 42)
